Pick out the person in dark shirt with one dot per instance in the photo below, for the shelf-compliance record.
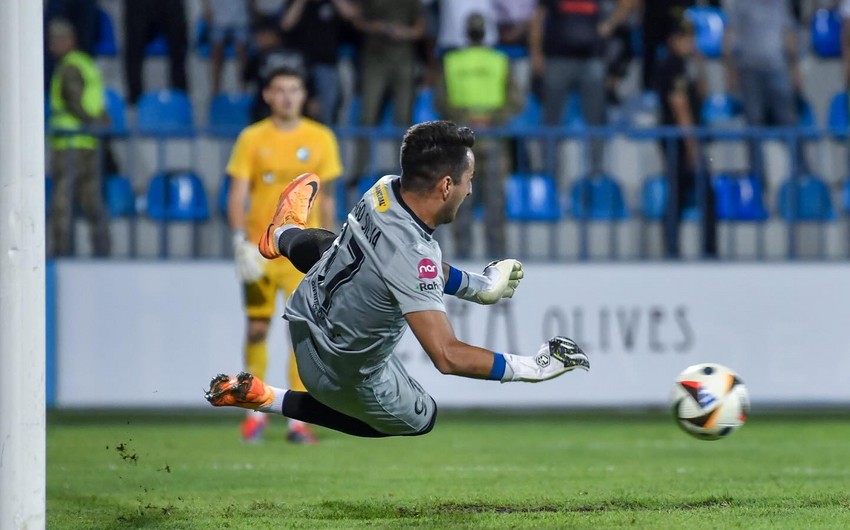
(681, 97)
(659, 19)
(312, 27)
(269, 55)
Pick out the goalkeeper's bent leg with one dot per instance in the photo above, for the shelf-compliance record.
(304, 246)
(302, 406)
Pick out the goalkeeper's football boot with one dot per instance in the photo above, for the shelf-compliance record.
(569, 353)
(293, 207)
(243, 390)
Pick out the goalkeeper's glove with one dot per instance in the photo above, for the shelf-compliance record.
(499, 280)
(558, 356)
(249, 262)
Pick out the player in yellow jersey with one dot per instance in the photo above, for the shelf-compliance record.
(267, 156)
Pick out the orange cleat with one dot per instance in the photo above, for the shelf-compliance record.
(244, 391)
(293, 206)
(301, 433)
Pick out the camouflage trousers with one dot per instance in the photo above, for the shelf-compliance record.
(76, 181)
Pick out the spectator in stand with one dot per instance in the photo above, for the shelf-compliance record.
(390, 30)
(143, 21)
(681, 94)
(619, 52)
(567, 44)
(477, 90)
(312, 27)
(228, 23)
(76, 102)
(760, 51)
(83, 16)
(452, 31)
(659, 20)
(270, 55)
(513, 18)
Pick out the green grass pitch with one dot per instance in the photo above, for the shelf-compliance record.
(475, 470)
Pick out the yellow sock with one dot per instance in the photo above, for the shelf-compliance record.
(294, 379)
(256, 358)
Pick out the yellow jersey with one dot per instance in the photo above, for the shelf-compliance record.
(270, 158)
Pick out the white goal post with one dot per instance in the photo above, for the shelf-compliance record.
(22, 267)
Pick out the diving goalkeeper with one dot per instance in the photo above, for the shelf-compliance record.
(363, 287)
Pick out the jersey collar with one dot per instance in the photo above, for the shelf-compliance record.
(396, 186)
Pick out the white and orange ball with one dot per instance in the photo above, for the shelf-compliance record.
(709, 401)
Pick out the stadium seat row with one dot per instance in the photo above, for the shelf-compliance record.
(180, 196)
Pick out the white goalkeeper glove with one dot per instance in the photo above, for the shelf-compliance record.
(558, 356)
(249, 262)
(499, 280)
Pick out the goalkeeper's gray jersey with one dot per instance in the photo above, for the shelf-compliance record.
(384, 264)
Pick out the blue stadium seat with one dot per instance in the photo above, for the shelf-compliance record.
(530, 116)
(177, 196)
(48, 192)
(367, 181)
(845, 196)
(119, 196)
(158, 47)
(532, 198)
(719, 108)
(342, 205)
(229, 113)
(165, 112)
(653, 197)
(837, 120)
(710, 23)
(826, 33)
(738, 198)
(223, 196)
(811, 203)
(117, 111)
(806, 113)
(571, 116)
(423, 107)
(597, 198)
(106, 45)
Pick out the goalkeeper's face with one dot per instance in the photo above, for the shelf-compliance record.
(285, 96)
(459, 192)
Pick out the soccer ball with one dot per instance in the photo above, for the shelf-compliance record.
(709, 401)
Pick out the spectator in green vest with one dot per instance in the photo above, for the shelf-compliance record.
(76, 103)
(477, 90)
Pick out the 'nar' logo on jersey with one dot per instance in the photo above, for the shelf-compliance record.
(382, 198)
(302, 154)
(427, 269)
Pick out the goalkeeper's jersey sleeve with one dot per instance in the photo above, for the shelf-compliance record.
(384, 264)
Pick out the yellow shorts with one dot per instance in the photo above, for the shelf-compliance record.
(259, 297)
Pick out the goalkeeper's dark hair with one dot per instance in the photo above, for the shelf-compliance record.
(284, 71)
(432, 150)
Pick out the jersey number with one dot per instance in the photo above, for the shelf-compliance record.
(343, 275)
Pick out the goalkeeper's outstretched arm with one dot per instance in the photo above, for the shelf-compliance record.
(499, 280)
(455, 357)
